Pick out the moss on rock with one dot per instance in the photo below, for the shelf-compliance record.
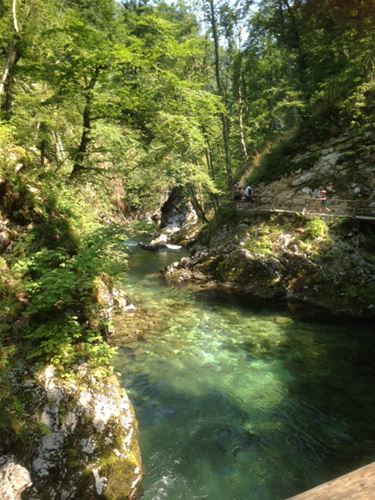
(307, 259)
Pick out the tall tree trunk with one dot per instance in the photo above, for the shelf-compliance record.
(211, 169)
(80, 156)
(81, 153)
(58, 147)
(209, 162)
(360, 18)
(224, 117)
(241, 105)
(241, 124)
(7, 76)
(214, 197)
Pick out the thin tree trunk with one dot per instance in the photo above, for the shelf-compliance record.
(81, 153)
(43, 144)
(210, 166)
(211, 170)
(7, 76)
(360, 16)
(58, 146)
(241, 105)
(197, 206)
(224, 117)
(242, 132)
(14, 16)
(301, 58)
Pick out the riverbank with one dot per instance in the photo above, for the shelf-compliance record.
(324, 263)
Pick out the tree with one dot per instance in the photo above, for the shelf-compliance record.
(13, 56)
(212, 17)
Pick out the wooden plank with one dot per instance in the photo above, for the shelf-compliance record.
(357, 485)
(365, 213)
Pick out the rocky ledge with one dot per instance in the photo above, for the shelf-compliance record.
(319, 262)
(86, 443)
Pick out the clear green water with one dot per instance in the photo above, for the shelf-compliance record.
(237, 401)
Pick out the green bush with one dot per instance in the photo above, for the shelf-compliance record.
(65, 341)
(316, 228)
(143, 227)
(55, 281)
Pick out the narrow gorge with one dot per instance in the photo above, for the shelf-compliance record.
(187, 248)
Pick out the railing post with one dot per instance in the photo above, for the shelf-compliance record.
(304, 210)
(355, 208)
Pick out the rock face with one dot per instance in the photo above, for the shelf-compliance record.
(89, 448)
(177, 217)
(14, 478)
(343, 165)
(176, 212)
(288, 257)
(108, 300)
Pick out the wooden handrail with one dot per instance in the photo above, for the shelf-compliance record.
(359, 207)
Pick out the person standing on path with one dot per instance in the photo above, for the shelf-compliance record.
(248, 192)
(323, 200)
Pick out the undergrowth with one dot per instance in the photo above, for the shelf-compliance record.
(47, 284)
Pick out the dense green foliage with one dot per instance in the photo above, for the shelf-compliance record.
(142, 94)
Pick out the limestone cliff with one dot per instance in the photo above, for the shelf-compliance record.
(344, 165)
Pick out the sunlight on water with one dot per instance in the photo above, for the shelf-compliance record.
(240, 402)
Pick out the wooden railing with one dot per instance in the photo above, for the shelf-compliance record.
(357, 485)
(364, 208)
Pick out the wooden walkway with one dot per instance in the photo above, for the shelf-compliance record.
(336, 207)
(357, 485)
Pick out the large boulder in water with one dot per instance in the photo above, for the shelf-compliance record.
(89, 448)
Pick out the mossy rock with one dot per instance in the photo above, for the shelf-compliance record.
(120, 476)
(283, 320)
(208, 265)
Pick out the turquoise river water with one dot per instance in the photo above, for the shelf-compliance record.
(239, 401)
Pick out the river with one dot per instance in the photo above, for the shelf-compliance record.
(237, 400)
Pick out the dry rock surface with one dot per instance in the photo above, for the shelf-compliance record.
(88, 448)
(14, 478)
(342, 165)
